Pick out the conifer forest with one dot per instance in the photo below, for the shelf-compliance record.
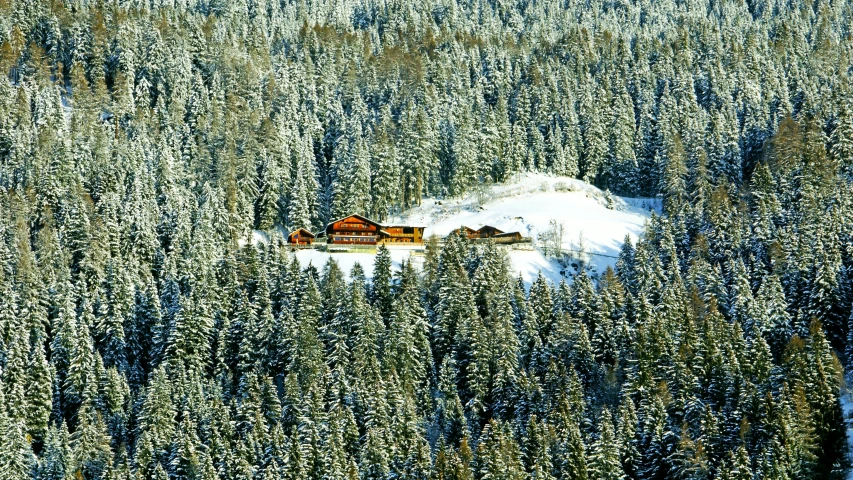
(144, 334)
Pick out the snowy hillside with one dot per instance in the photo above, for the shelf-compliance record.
(594, 225)
(346, 261)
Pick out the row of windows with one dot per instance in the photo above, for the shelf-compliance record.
(355, 239)
(406, 230)
(354, 236)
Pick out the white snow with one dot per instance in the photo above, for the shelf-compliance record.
(531, 263)
(592, 223)
(526, 205)
(347, 260)
(258, 237)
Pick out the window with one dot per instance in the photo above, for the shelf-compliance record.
(408, 230)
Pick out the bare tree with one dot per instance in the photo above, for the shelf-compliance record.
(552, 239)
(579, 253)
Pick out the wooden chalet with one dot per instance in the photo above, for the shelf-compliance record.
(359, 230)
(353, 230)
(467, 231)
(300, 236)
(508, 237)
(402, 234)
(488, 231)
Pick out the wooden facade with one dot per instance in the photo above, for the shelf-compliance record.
(300, 236)
(467, 231)
(488, 231)
(509, 237)
(359, 230)
(353, 230)
(402, 234)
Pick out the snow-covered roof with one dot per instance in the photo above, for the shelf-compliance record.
(302, 231)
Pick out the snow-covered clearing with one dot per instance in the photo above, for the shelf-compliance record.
(347, 260)
(594, 225)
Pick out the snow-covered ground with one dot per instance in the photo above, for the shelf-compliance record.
(347, 260)
(594, 225)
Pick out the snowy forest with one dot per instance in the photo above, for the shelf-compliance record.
(144, 335)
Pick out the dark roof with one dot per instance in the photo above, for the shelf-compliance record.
(507, 234)
(360, 217)
(484, 227)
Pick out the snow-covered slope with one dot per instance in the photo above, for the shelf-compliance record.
(594, 225)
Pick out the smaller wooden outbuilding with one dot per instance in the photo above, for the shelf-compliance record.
(300, 236)
(487, 231)
(508, 237)
(390, 234)
(467, 231)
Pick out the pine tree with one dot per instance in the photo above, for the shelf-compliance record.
(593, 133)
(626, 433)
(536, 450)
(266, 204)
(737, 466)
(841, 139)
(90, 444)
(188, 343)
(673, 186)
(380, 295)
(56, 460)
(307, 360)
(156, 422)
(604, 459)
(655, 439)
(418, 153)
(385, 169)
(498, 455)
(621, 175)
(302, 204)
(39, 395)
(774, 310)
(16, 456)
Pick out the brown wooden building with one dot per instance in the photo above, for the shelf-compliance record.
(359, 230)
(353, 230)
(488, 231)
(300, 236)
(402, 234)
(467, 231)
(509, 237)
